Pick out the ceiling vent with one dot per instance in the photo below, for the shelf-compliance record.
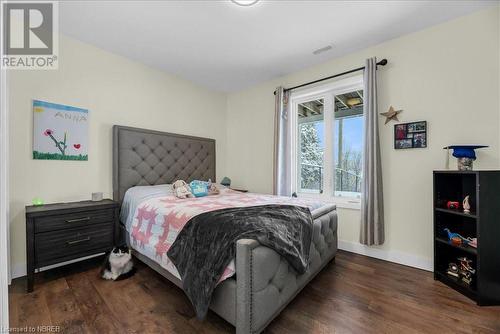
(323, 49)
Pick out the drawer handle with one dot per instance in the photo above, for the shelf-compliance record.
(78, 220)
(74, 242)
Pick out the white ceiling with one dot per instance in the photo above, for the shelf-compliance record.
(227, 48)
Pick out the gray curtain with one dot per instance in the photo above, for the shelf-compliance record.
(282, 145)
(372, 201)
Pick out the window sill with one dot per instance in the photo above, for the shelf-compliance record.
(340, 202)
(348, 205)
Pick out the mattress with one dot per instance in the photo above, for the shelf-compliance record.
(153, 217)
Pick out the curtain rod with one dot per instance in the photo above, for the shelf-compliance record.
(383, 62)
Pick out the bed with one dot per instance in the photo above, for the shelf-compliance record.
(260, 282)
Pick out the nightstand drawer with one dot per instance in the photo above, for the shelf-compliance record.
(52, 247)
(72, 220)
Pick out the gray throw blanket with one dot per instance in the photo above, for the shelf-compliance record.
(207, 244)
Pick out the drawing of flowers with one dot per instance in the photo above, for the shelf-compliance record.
(61, 145)
(60, 132)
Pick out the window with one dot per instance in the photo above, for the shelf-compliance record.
(328, 141)
(348, 144)
(311, 146)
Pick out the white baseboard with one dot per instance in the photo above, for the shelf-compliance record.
(19, 270)
(391, 256)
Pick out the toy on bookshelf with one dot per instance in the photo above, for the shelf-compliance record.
(455, 238)
(466, 277)
(472, 242)
(466, 204)
(465, 265)
(452, 269)
(462, 271)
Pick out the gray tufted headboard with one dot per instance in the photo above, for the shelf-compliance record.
(148, 157)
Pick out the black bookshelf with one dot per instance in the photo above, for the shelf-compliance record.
(483, 223)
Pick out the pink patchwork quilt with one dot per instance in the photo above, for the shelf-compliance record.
(158, 220)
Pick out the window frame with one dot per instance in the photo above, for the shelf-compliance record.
(296, 141)
(327, 92)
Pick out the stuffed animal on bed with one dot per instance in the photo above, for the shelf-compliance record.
(212, 189)
(199, 188)
(203, 188)
(182, 190)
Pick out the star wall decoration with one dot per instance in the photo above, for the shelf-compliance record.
(391, 114)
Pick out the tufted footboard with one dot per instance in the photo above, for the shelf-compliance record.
(265, 283)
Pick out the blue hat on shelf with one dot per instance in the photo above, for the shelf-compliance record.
(465, 151)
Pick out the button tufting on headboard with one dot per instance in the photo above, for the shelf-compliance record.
(148, 157)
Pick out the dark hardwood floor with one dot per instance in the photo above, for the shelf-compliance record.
(356, 294)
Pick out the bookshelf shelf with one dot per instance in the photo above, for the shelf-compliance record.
(468, 249)
(457, 285)
(457, 212)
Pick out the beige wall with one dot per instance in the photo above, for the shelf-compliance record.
(447, 75)
(116, 91)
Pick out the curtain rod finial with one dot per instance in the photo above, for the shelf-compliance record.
(383, 62)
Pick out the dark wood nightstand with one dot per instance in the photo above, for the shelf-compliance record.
(66, 231)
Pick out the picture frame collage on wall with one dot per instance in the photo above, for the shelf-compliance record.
(410, 135)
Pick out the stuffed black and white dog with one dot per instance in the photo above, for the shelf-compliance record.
(118, 264)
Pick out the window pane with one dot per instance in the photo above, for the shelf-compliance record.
(311, 146)
(348, 144)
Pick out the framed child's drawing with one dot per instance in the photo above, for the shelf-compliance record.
(59, 132)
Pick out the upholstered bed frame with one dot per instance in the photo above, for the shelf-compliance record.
(264, 282)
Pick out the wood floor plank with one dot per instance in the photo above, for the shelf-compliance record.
(95, 311)
(31, 310)
(356, 294)
(14, 305)
(64, 308)
(117, 296)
